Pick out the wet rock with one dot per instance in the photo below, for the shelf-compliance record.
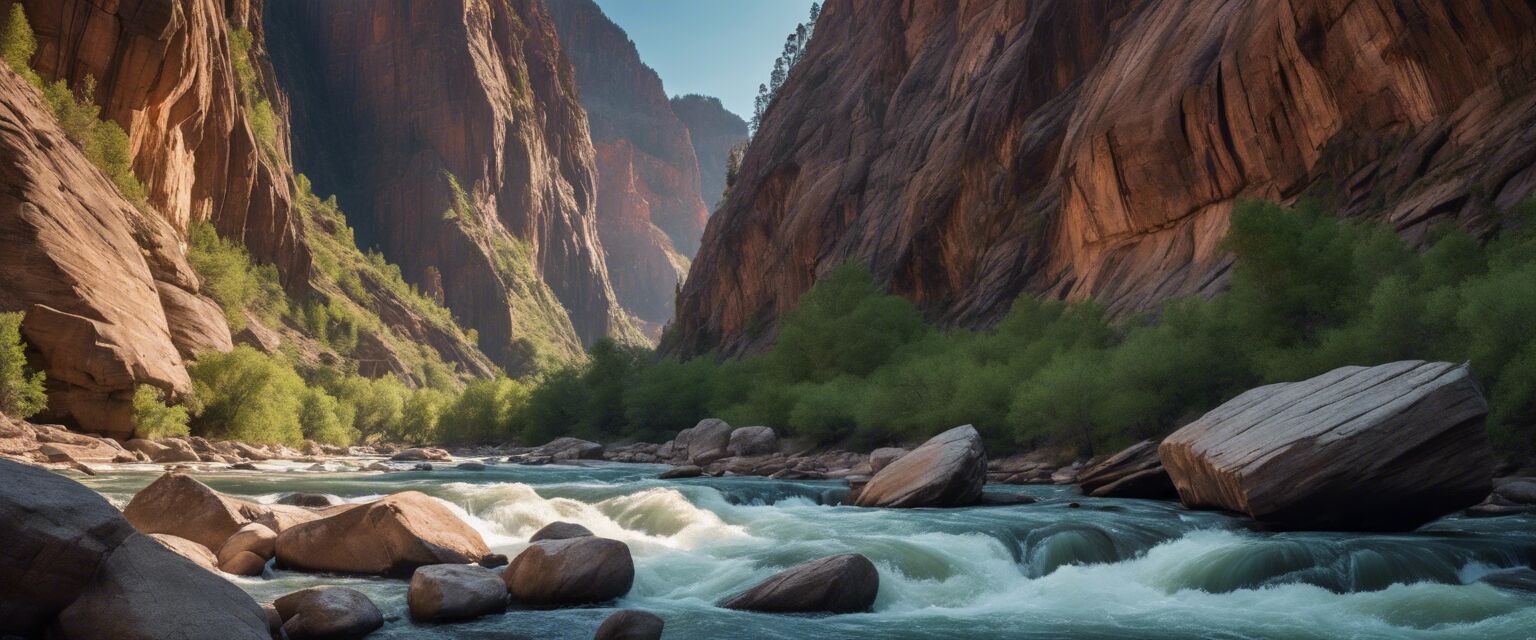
(752, 441)
(378, 466)
(684, 471)
(630, 624)
(946, 471)
(255, 538)
(243, 466)
(846, 583)
(1521, 580)
(445, 592)
(568, 572)
(311, 500)
(560, 531)
(532, 461)
(570, 449)
(705, 442)
(102, 579)
(1006, 499)
(471, 466)
(1375, 448)
(493, 560)
(422, 466)
(198, 554)
(1134, 472)
(328, 612)
(389, 536)
(417, 454)
(880, 458)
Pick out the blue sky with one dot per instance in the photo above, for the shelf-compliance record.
(721, 48)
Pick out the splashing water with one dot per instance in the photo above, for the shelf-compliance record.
(1110, 569)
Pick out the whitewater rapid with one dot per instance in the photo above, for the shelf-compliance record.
(1101, 569)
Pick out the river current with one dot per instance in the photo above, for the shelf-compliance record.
(1064, 567)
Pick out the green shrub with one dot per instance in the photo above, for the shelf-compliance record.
(105, 143)
(18, 44)
(232, 279)
(153, 418)
(22, 394)
(249, 396)
(326, 420)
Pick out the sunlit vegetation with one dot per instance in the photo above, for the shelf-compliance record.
(21, 389)
(258, 109)
(18, 44)
(232, 279)
(154, 418)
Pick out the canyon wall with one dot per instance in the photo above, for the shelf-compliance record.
(650, 214)
(714, 131)
(452, 135)
(972, 152)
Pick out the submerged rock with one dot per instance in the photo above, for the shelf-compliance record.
(311, 500)
(328, 612)
(1388, 447)
(572, 571)
(560, 531)
(846, 583)
(444, 592)
(1134, 472)
(630, 624)
(946, 471)
(390, 536)
(684, 471)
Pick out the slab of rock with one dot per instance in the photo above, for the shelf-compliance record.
(1388, 447)
(198, 554)
(419, 454)
(630, 624)
(70, 559)
(560, 531)
(883, 457)
(946, 471)
(328, 612)
(568, 448)
(684, 471)
(705, 442)
(752, 441)
(573, 571)
(846, 583)
(389, 536)
(168, 451)
(446, 592)
(1134, 472)
(311, 500)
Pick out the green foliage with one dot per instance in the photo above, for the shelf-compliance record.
(18, 44)
(325, 419)
(262, 118)
(487, 410)
(153, 418)
(21, 391)
(105, 143)
(248, 396)
(232, 279)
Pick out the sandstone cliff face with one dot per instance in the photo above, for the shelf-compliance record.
(395, 103)
(714, 131)
(971, 152)
(165, 73)
(649, 210)
(110, 301)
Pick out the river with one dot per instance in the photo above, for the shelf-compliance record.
(1064, 567)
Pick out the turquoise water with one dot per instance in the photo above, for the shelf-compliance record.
(1106, 569)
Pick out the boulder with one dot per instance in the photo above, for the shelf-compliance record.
(179, 505)
(249, 452)
(198, 554)
(629, 624)
(568, 448)
(573, 571)
(684, 471)
(1388, 447)
(418, 454)
(946, 471)
(493, 560)
(705, 442)
(883, 457)
(328, 612)
(167, 451)
(254, 538)
(560, 531)
(71, 560)
(846, 583)
(243, 563)
(471, 466)
(390, 536)
(445, 592)
(311, 500)
(1135, 472)
(752, 441)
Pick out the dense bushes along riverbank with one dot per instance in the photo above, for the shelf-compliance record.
(855, 366)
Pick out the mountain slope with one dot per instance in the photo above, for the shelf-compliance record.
(972, 153)
(713, 131)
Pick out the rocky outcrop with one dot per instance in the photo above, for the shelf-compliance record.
(714, 131)
(1379, 448)
(409, 111)
(704, 442)
(389, 536)
(630, 624)
(179, 505)
(845, 583)
(752, 441)
(72, 563)
(650, 213)
(973, 152)
(1134, 472)
(946, 471)
(572, 571)
(328, 613)
(446, 592)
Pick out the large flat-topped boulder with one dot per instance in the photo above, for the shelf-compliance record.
(180, 505)
(947, 471)
(1360, 448)
(389, 536)
(846, 583)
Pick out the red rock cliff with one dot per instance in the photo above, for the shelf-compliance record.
(714, 131)
(974, 151)
(649, 210)
(395, 101)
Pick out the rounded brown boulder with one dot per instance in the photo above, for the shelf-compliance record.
(946, 471)
(572, 571)
(179, 505)
(560, 531)
(255, 538)
(243, 563)
(188, 549)
(327, 613)
(445, 592)
(629, 624)
(846, 583)
(389, 536)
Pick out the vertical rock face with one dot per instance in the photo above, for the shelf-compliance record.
(452, 134)
(164, 72)
(972, 152)
(649, 211)
(714, 131)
